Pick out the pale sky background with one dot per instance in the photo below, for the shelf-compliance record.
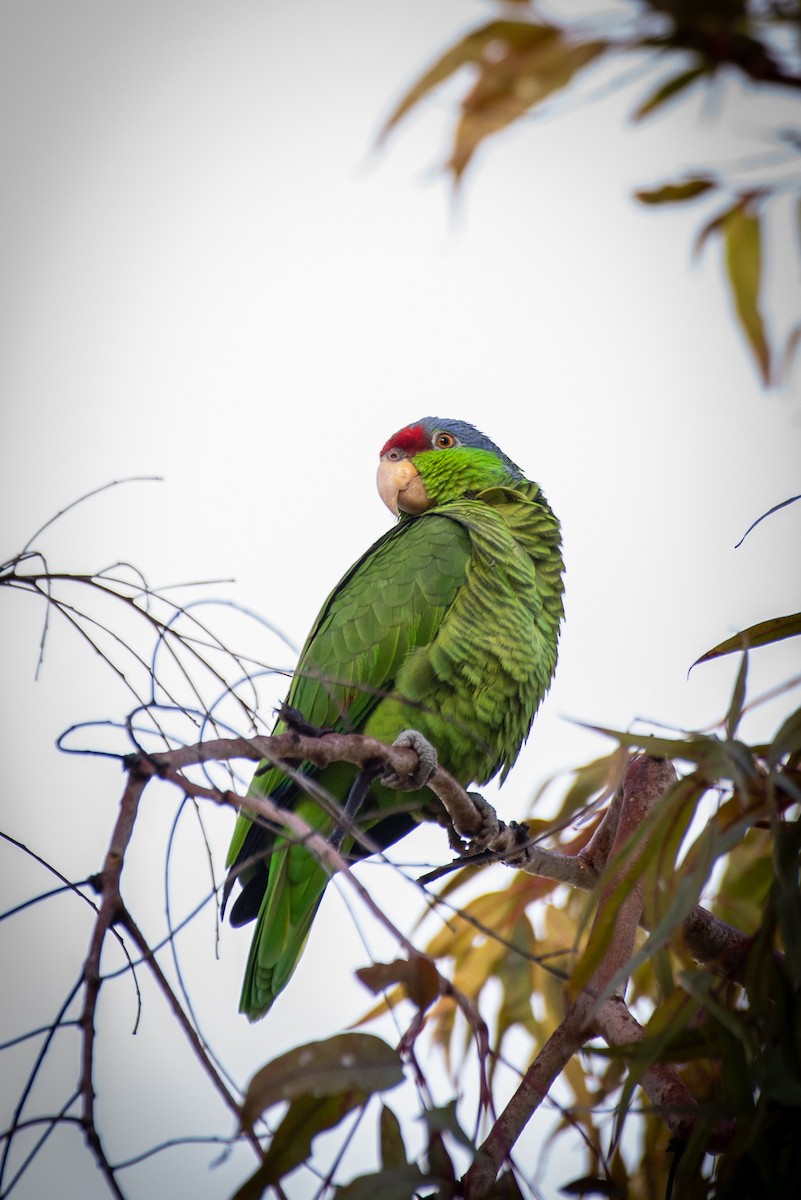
(210, 275)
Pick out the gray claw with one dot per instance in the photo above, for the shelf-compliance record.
(426, 763)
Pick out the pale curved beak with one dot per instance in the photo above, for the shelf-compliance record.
(401, 487)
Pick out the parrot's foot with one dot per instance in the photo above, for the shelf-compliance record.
(494, 841)
(490, 826)
(426, 763)
(495, 837)
(294, 719)
(356, 798)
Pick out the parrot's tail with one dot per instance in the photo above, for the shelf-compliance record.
(295, 887)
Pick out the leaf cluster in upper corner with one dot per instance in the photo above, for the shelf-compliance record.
(517, 65)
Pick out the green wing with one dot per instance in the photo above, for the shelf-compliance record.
(391, 602)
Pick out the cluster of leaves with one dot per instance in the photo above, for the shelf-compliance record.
(741, 225)
(728, 834)
(518, 65)
(324, 1082)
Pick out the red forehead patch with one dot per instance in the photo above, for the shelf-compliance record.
(410, 440)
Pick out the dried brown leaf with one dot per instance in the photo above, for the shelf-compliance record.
(418, 977)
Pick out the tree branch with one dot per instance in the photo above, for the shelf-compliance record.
(111, 912)
(107, 886)
(594, 1011)
(710, 940)
(619, 914)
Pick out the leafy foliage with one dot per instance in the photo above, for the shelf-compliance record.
(728, 831)
(323, 1082)
(502, 967)
(518, 65)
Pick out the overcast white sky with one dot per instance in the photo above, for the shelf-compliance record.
(209, 275)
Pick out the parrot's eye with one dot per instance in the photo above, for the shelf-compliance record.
(444, 441)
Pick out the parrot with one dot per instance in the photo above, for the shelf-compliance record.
(448, 626)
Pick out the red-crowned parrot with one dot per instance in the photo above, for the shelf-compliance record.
(447, 625)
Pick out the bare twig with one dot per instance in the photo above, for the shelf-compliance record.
(107, 884)
(50, 1033)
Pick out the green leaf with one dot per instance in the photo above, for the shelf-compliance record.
(470, 50)
(742, 239)
(683, 1047)
(515, 981)
(676, 193)
(291, 1144)
(738, 699)
(440, 1163)
(593, 1185)
(746, 882)
(399, 1183)
(695, 749)
(775, 629)
(713, 226)
(393, 1151)
(328, 1068)
(639, 1056)
(686, 886)
(702, 986)
(506, 1187)
(787, 740)
(658, 840)
(444, 1120)
(785, 894)
(667, 91)
(596, 778)
(519, 64)
(537, 63)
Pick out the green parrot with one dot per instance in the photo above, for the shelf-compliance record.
(447, 625)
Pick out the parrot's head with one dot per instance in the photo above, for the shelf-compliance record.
(436, 460)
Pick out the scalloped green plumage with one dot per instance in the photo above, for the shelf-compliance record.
(448, 624)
